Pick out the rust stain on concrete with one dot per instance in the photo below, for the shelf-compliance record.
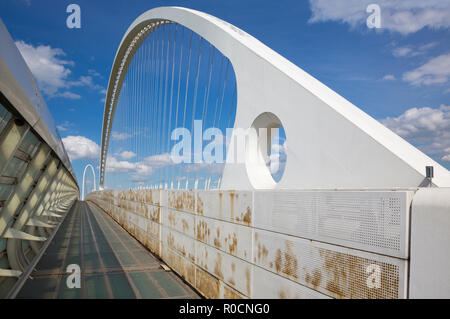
(232, 206)
(248, 281)
(217, 243)
(181, 200)
(262, 252)
(185, 225)
(199, 205)
(232, 244)
(202, 231)
(220, 205)
(229, 293)
(346, 277)
(286, 262)
(207, 284)
(218, 266)
(246, 217)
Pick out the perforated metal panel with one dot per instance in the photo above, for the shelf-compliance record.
(231, 238)
(373, 221)
(336, 271)
(268, 285)
(230, 206)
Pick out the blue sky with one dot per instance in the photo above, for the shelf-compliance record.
(398, 74)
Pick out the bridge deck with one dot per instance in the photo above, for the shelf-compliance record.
(113, 264)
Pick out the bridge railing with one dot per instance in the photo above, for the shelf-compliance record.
(284, 244)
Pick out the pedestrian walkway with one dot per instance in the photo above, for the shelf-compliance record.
(113, 264)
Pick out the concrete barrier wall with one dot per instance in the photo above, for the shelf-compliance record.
(267, 244)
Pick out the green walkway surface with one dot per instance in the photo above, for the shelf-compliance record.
(113, 264)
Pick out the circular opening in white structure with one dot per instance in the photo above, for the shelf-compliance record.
(265, 156)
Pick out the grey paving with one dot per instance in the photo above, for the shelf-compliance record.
(113, 264)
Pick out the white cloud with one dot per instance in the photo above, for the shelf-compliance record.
(427, 128)
(427, 46)
(68, 95)
(435, 71)
(52, 71)
(94, 73)
(274, 165)
(400, 16)
(65, 126)
(138, 171)
(80, 147)
(277, 148)
(388, 77)
(127, 154)
(277, 159)
(159, 160)
(402, 51)
(410, 51)
(119, 136)
(46, 65)
(87, 81)
(113, 165)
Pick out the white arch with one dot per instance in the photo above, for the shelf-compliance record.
(332, 143)
(84, 175)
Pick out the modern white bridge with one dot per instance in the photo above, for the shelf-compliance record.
(347, 209)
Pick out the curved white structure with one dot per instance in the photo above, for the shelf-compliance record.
(84, 175)
(332, 143)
